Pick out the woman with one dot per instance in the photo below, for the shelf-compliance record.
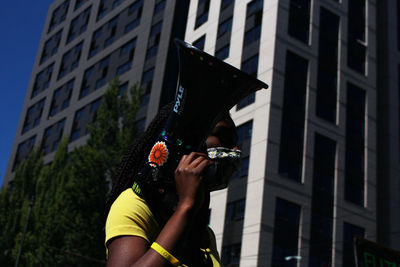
(133, 235)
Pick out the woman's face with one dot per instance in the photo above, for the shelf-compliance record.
(222, 149)
(222, 136)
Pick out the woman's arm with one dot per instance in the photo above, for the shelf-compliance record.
(135, 251)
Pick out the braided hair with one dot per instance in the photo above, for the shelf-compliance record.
(136, 156)
(134, 160)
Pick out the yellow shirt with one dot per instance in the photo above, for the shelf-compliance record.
(130, 215)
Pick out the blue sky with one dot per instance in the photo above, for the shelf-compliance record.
(21, 24)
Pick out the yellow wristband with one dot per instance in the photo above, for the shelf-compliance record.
(165, 254)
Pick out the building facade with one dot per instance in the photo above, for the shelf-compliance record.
(308, 180)
(84, 45)
(388, 110)
(314, 144)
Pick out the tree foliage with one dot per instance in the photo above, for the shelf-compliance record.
(65, 227)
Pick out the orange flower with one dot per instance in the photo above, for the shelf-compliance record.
(158, 154)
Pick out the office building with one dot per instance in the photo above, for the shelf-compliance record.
(320, 161)
(308, 179)
(388, 123)
(84, 45)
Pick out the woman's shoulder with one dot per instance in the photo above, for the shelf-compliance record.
(130, 205)
(128, 198)
(130, 215)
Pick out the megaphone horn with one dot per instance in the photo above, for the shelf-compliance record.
(206, 87)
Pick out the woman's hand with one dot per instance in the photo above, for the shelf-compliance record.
(188, 179)
(134, 251)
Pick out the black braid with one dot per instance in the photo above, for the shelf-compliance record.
(135, 159)
(136, 156)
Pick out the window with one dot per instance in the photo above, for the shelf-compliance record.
(75, 134)
(23, 151)
(293, 116)
(85, 88)
(137, 6)
(132, 25)
(398, 112)
(65, 103)
(154, 40)
(33, 116)
(159, 7)
(252, 35)
(51, 47)
(244, 133)
(286, 232)
(151, 52)
(117, 62)
(156, 29)
(72, 30)
(100, 82)
(355, 139)
(52, 137)
(93, 50)
(36, 122)
(231, 255)
(224, 27)
(70, 60)
(112, 28)
(116, 3)
(222, 45)
(226, 3)
(95, 105)
(223, 53)
(148, 76)
(79, 3)
(254, 7)
(97, 34)
(349, 232)
(113, 23)
(124, 68)
(398, 24)
(83, 117)
(356, 43)
(199, 43)
(250, 66)
(61, 98)
(103, 65)
(246, 101)
(128, 47)
(42, 80)
(123, 89)
(235, 210)
(118, 26)
(202, 12)
(57, 43)
(147, 82)
(327, 66)
(299, 20)
(253, 22)
(94, 45)
(59, 15)
(322, 201)
(27, 123)
(108, 41)
(243, 170)
(102, 10)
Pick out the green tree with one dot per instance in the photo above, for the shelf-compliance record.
(67, 220)
(14, 206)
